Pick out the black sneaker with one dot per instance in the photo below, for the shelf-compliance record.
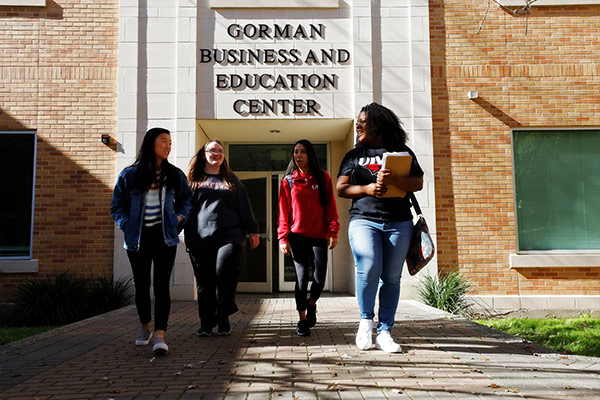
(224, 328)
(204, 332)
(311, 315)
(303, 329)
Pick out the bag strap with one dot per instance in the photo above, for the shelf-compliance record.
(415, 203)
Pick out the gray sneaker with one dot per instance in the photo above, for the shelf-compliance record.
(160, 347)
(144, 337)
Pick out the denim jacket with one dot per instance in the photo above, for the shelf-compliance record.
(128, 205)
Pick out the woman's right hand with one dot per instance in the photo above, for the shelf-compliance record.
(375, 189)
(285, 248)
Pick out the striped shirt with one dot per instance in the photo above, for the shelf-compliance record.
(152, 210)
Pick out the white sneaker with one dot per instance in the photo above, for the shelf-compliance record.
(385, 342)
(364, 336)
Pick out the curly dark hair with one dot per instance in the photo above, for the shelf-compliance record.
(384, 126)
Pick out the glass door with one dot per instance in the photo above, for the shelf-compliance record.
(287, 271)
(255, 264)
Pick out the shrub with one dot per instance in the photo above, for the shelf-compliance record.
(106, 294)
(66, 298)
(448, 292)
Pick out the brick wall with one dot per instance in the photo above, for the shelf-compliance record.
(537, 71)
(58, 76)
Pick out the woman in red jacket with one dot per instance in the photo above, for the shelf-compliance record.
(308, 225)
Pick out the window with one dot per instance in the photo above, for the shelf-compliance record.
(17, 180)
(557, 185)
(267, 157)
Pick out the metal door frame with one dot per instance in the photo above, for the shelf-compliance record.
(261, 287)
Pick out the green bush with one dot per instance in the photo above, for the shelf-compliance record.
(66, 298)
(106, 294)
(448, 292)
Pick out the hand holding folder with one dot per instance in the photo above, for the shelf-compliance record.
(399, 163)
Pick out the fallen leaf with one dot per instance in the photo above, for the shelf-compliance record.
(334, 374)
(338, 363)
(533, 368)
(276, 394)
(512, 390)
(397, 391)
(332, 386)
(301, 344)
(485, 359)
(456, 357)
(193, 386)
(346, 356)
(567, 387)
(115, 391)
(494, 386)
(178, 373)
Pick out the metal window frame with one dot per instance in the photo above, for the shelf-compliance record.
(34, 133)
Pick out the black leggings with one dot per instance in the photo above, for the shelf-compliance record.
(153, 249)
(216, 271)
(307, 252)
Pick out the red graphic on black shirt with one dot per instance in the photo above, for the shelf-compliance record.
(374, 168)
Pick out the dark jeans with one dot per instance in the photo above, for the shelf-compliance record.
(307, 252)
(216, 271)
(153, 250)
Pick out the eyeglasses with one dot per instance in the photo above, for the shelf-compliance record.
(214, 152)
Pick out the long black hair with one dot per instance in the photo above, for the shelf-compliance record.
(145, 163)
(313, 164)
(197, 174)
(384, 126)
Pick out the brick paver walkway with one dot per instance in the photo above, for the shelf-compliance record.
(444, 357)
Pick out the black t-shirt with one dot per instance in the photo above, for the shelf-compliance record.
(361, 164)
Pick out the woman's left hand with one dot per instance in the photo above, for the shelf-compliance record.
(254, 240)
(332, 242)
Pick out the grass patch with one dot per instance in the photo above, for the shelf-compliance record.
(580, 335)
(12, 334)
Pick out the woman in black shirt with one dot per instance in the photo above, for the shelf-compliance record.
(380, 228)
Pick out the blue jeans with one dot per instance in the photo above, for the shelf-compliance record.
(379, 250)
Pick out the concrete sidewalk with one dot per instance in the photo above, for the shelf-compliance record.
(444, 357)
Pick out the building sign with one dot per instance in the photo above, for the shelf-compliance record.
(284, 59)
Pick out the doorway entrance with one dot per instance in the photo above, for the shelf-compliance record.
(261, 168)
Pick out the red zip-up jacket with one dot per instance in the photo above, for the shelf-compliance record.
(301, 212)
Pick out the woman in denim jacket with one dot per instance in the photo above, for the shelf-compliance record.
(150, 204)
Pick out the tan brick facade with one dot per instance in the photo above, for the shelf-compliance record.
(58, 76)
(538, 71)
